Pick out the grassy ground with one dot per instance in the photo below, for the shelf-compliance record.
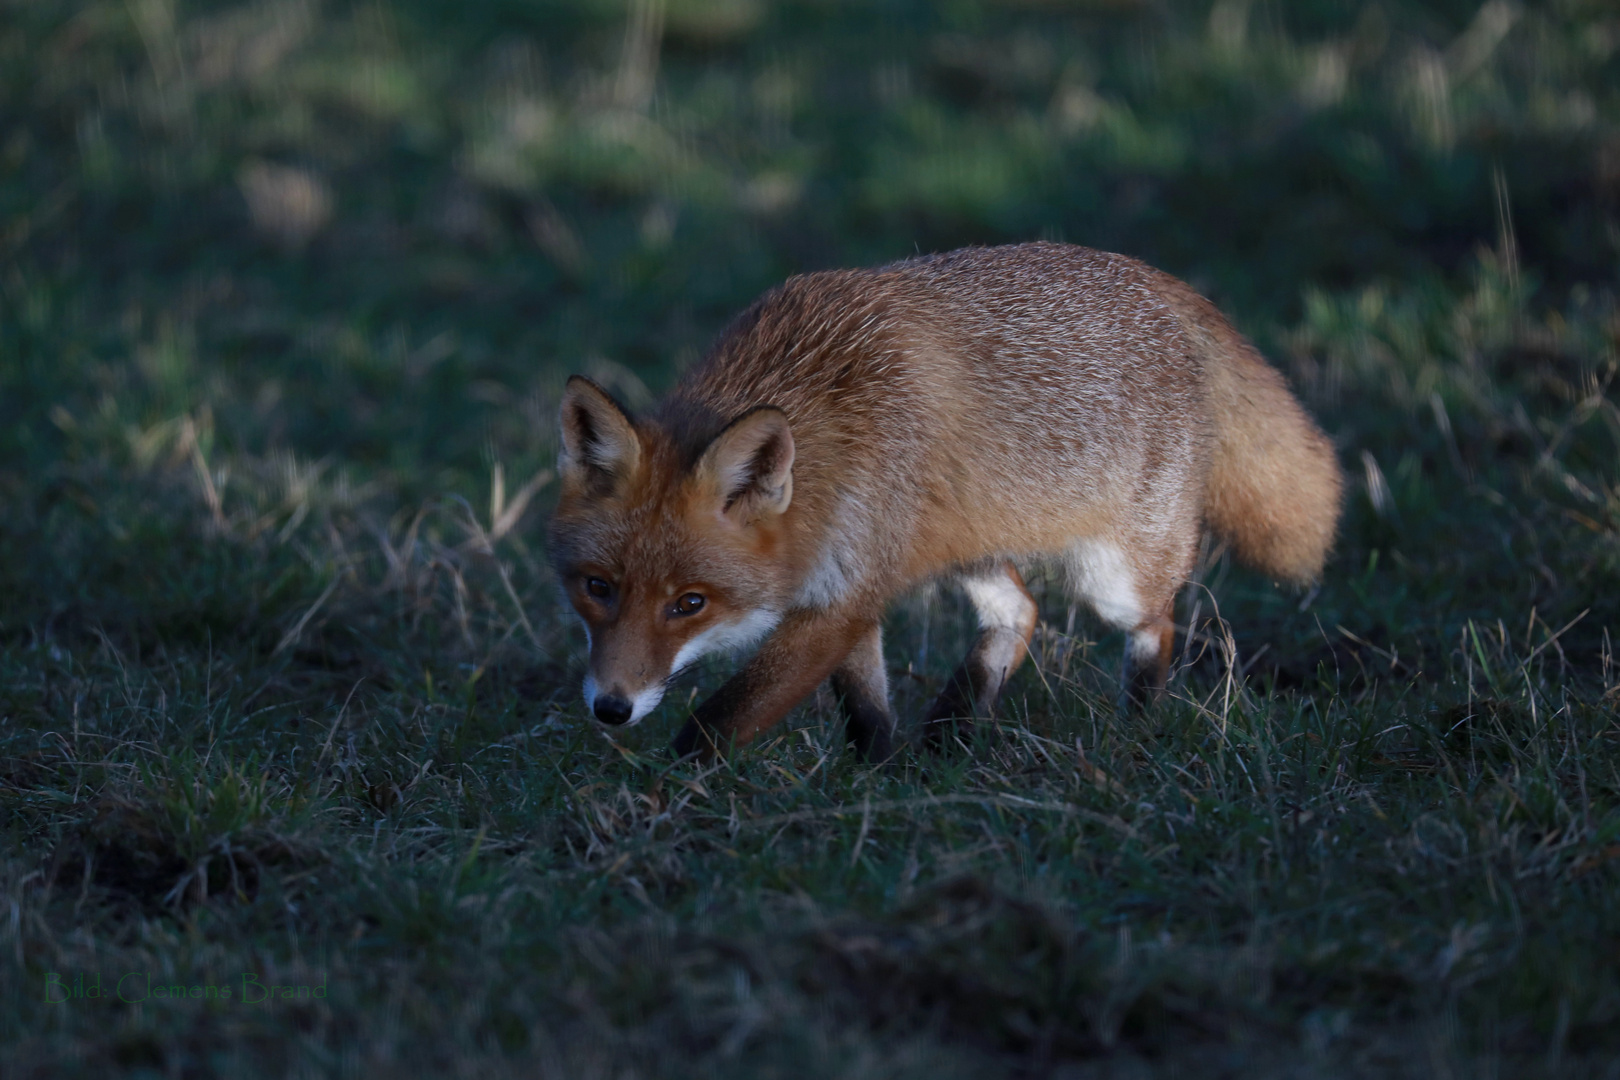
(287, 294)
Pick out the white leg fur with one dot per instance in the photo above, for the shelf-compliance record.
(1099, 573)
(1005, 609)
(1144, 645)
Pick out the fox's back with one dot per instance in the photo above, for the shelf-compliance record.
(1044, 387)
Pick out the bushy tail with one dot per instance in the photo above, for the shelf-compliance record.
(1274, 485)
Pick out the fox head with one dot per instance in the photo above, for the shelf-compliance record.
(666, 556)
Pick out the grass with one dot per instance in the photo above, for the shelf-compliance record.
(287, 698)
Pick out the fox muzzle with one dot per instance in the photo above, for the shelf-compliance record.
(611, 705)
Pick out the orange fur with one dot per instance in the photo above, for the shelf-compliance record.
(855, 432)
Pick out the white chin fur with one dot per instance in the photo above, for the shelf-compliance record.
(645, 702)
(721, 638)
(726, 637)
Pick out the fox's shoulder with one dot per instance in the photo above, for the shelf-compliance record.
(815, 334)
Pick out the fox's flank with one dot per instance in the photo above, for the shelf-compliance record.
(857, 432)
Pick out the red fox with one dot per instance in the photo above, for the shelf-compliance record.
(857, 432)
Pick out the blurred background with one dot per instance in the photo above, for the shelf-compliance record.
(287, 270)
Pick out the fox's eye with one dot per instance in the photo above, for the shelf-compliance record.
(598, 588)
(690, 604)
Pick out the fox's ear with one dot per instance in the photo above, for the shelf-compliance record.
(599, 444)
(748, 467)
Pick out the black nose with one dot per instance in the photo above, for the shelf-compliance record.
(612, 710)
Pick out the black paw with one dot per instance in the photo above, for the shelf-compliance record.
(693, 739)
(874, 744)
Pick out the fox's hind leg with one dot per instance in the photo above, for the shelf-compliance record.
(1139, 602)
(862, 686)
(1007, 616)
(1148, 650)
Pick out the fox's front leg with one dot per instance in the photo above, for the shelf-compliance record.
(804, 649)
(862, 685)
